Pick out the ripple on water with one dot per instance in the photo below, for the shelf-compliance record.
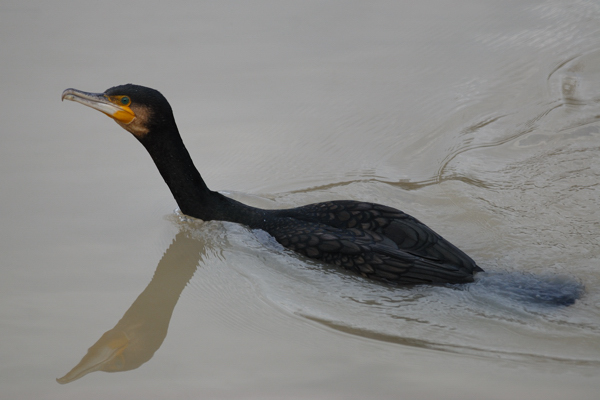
(511, 315)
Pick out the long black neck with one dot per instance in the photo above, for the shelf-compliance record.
(193, 197)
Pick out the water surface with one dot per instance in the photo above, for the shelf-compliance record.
(480, 119)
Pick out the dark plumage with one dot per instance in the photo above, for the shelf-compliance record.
(376, 241)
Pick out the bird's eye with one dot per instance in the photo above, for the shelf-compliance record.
(125, 100)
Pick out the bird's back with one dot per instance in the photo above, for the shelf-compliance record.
(377, 241)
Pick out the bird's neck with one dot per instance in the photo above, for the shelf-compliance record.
(193, 197)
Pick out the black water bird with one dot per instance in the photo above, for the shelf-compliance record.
(377, 241)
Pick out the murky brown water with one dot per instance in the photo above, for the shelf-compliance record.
(481, 119)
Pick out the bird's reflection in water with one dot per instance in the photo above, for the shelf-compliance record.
(143, 328)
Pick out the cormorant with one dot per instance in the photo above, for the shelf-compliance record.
(377, 241)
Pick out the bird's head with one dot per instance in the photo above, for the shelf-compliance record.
(137, 109)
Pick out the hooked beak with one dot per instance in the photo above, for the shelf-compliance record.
(102, 103)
